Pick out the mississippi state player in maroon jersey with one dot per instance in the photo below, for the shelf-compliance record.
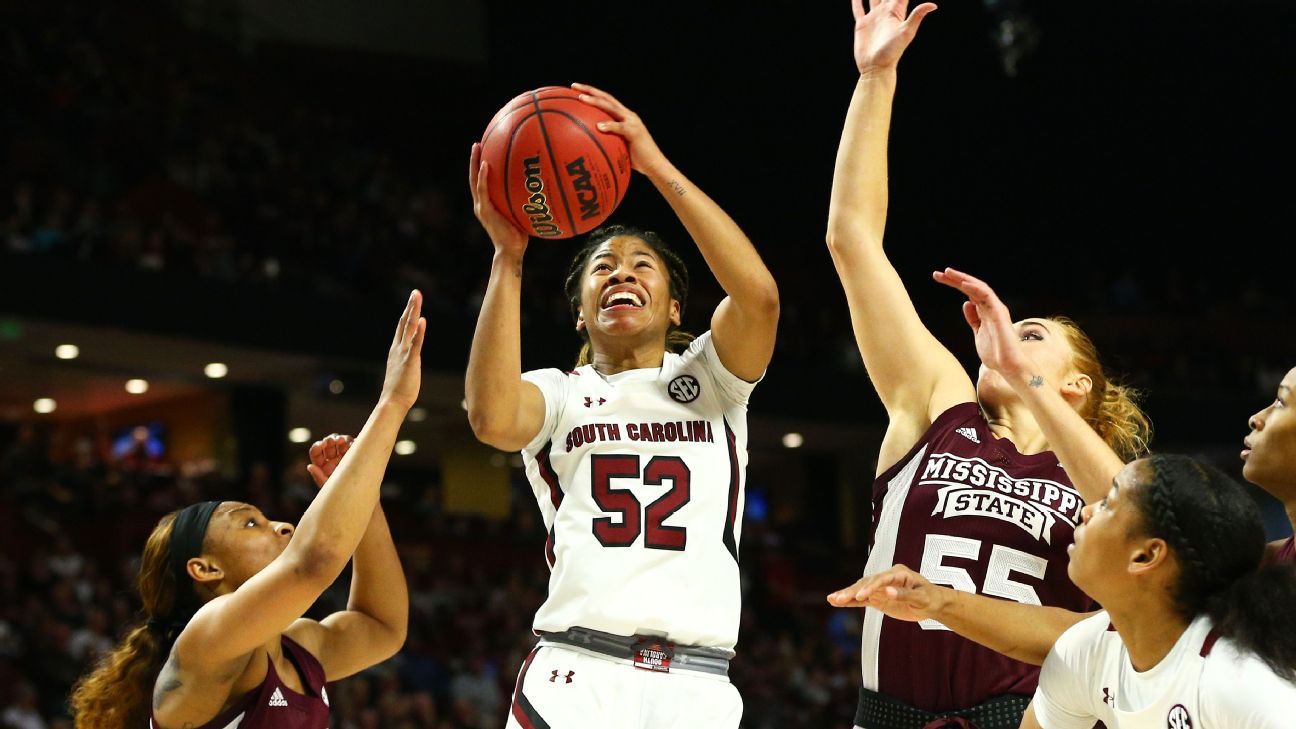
(968, 489)
(225, 589)
(1269, 451)
(1026, 632)
(1270, 458)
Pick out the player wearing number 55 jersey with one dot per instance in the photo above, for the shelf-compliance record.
(968, 489)
(637, 459)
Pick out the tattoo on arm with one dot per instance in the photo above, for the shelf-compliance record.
(167, 681)
(677, 188)
(1036, 381)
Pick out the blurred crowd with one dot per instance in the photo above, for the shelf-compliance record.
(71, 534)
(134, 142)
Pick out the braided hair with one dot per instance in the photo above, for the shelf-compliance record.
(1213, 528)
(117, 693)
(677, 273)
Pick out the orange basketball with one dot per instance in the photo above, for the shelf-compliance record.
(551, 170)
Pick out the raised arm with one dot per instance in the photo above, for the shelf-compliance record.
(1019, 631)
(229, 627)
(1089, 461)
(504, 410)
(744, 325)
(374, 625)
(915, 376)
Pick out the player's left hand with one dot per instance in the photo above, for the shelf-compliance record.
(325, 455)
(997, 342)
(644, 154)
(899, 593)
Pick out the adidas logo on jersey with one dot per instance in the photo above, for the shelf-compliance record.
(969, 433)
(277, 699)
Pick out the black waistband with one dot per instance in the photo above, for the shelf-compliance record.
(686, 657)
(875, 711)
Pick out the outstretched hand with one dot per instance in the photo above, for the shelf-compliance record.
(898, 593)
(883, 32)
(404, 360)
(503, 233)
(644, 153)
(325, 455)
(997, 342)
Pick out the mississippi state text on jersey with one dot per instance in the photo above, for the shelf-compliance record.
(969, 511)
(639, 477)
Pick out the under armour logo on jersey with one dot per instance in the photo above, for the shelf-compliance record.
(1178, 718)
(554, 677)
(969, 433)
(590, 401)
(1108, 698)
(324, 695)
(684, 388)
(277, 699)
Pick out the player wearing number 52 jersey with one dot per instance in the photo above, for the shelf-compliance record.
(639, 476)
(968, 489)
(637, 458)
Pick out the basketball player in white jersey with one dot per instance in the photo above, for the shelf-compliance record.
(1194, 633)
(637, 458)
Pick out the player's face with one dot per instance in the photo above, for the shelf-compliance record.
(626, 292)
(1046, 344)
(1269, 458)
(1107, 536)
(244, 541)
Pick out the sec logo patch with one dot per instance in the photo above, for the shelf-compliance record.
(684, 389)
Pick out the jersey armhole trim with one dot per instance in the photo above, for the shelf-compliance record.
(960, 413)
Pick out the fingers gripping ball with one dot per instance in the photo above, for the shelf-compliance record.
(552, 172)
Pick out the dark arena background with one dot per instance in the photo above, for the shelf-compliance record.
(258, 185)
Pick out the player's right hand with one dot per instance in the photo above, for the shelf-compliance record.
(883, 33)
(325, 455)
(404, 360)
(503, 233)
(898, 593)
(997, 342)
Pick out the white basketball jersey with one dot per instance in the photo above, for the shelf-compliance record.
(639, 477)
(1204, 682)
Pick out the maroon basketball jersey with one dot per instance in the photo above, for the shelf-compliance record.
(969, 511)
(274, 705)
(1286, 553)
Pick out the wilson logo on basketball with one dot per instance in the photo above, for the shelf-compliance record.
(537, 206)
(583, 184)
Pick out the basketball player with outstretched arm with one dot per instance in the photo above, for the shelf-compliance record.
(637, 457)
(224, 590)
(968, 488)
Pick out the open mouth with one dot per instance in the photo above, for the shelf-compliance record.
(620, 299)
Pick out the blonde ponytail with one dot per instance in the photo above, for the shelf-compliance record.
(1111, 409)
